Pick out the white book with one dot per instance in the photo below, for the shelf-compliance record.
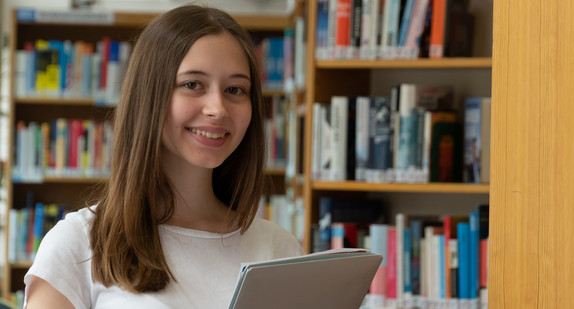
(370, 26)
(331, 29)
(316, 143)
(339, 115)
(407, 134)
(326, 141)
(362, 138)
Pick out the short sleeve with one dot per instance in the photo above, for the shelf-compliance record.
(63, 259)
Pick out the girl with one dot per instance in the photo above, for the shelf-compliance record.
(177, 216)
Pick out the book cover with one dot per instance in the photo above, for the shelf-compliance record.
(485, 123)
(472, 139)
(369, 28)
(343, 29)
(415, 31)
(474, 254)
(379, 140)
(322, 29)
(463, 238)
(362, 124)
(316, 144)
(446, 152)
(356, 25)
(436, 49)
(390, 29)
(339, 122)
(391, 295)
(307, 281)
(407, 133)
(379, 234)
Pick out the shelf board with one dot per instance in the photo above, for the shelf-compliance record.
(462, 188)
(264, 22)
(445, 63)
(275, 171)
(21, 264)
(78, 101)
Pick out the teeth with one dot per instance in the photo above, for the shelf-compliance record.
(208, 134)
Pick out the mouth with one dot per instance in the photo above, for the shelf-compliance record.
(211, 135)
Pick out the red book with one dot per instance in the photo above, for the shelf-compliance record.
(392, 264)
(483, 263)
(74, 136)
(104, 61)
(343, 29)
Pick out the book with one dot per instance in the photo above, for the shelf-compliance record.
(307, 281)
(339, 124)
(436, 49)
(343, 29)
(473, 139)
(378, 234)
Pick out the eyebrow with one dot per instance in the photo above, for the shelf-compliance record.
(195, 72)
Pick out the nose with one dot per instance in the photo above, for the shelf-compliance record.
(214, 106)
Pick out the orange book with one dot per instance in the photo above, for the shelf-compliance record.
(437, 29)
(343, 30)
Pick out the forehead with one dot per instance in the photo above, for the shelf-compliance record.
(221, 52)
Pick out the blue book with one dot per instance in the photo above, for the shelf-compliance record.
(324, 224)
(416, 232)
(322, 28)
(407, 264)
(405, 22)
(274, 63)
(378, 233)
(463, 236)
(38, 229)
(474, 239)
(380, 156)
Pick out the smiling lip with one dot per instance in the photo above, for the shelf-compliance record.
(210, 137)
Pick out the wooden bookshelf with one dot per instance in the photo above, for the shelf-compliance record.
(445, 63)
(455, 188)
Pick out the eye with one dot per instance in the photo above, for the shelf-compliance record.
(192, 85)
(235, 90)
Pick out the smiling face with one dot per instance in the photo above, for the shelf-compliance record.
(210, 107)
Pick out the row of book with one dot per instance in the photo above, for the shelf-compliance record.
(285, 212)
(62, 147)
(415, 135)
(28, 226)
(406, 29)
(276, 132)
(428, 261)
(55, 68)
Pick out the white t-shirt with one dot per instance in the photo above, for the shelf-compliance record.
(206, 265)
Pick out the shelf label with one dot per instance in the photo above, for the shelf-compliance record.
(67, 17)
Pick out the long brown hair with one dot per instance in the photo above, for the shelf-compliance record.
(138, 197)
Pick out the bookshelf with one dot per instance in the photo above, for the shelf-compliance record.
(71, 190)
(358, 77)
(354, 77)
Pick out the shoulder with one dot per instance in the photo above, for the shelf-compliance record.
(63, 258)
(266, 232)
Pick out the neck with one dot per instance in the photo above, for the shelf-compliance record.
(196, 206)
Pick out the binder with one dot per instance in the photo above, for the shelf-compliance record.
(337, 278)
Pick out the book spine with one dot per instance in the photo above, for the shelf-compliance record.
(356, 25)
(339, 116)
(463, 237)
(436, 49)
(391, 295)
(316, 145)
(379, 235)
(362, 137)
(343, 28)
(322, 29)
